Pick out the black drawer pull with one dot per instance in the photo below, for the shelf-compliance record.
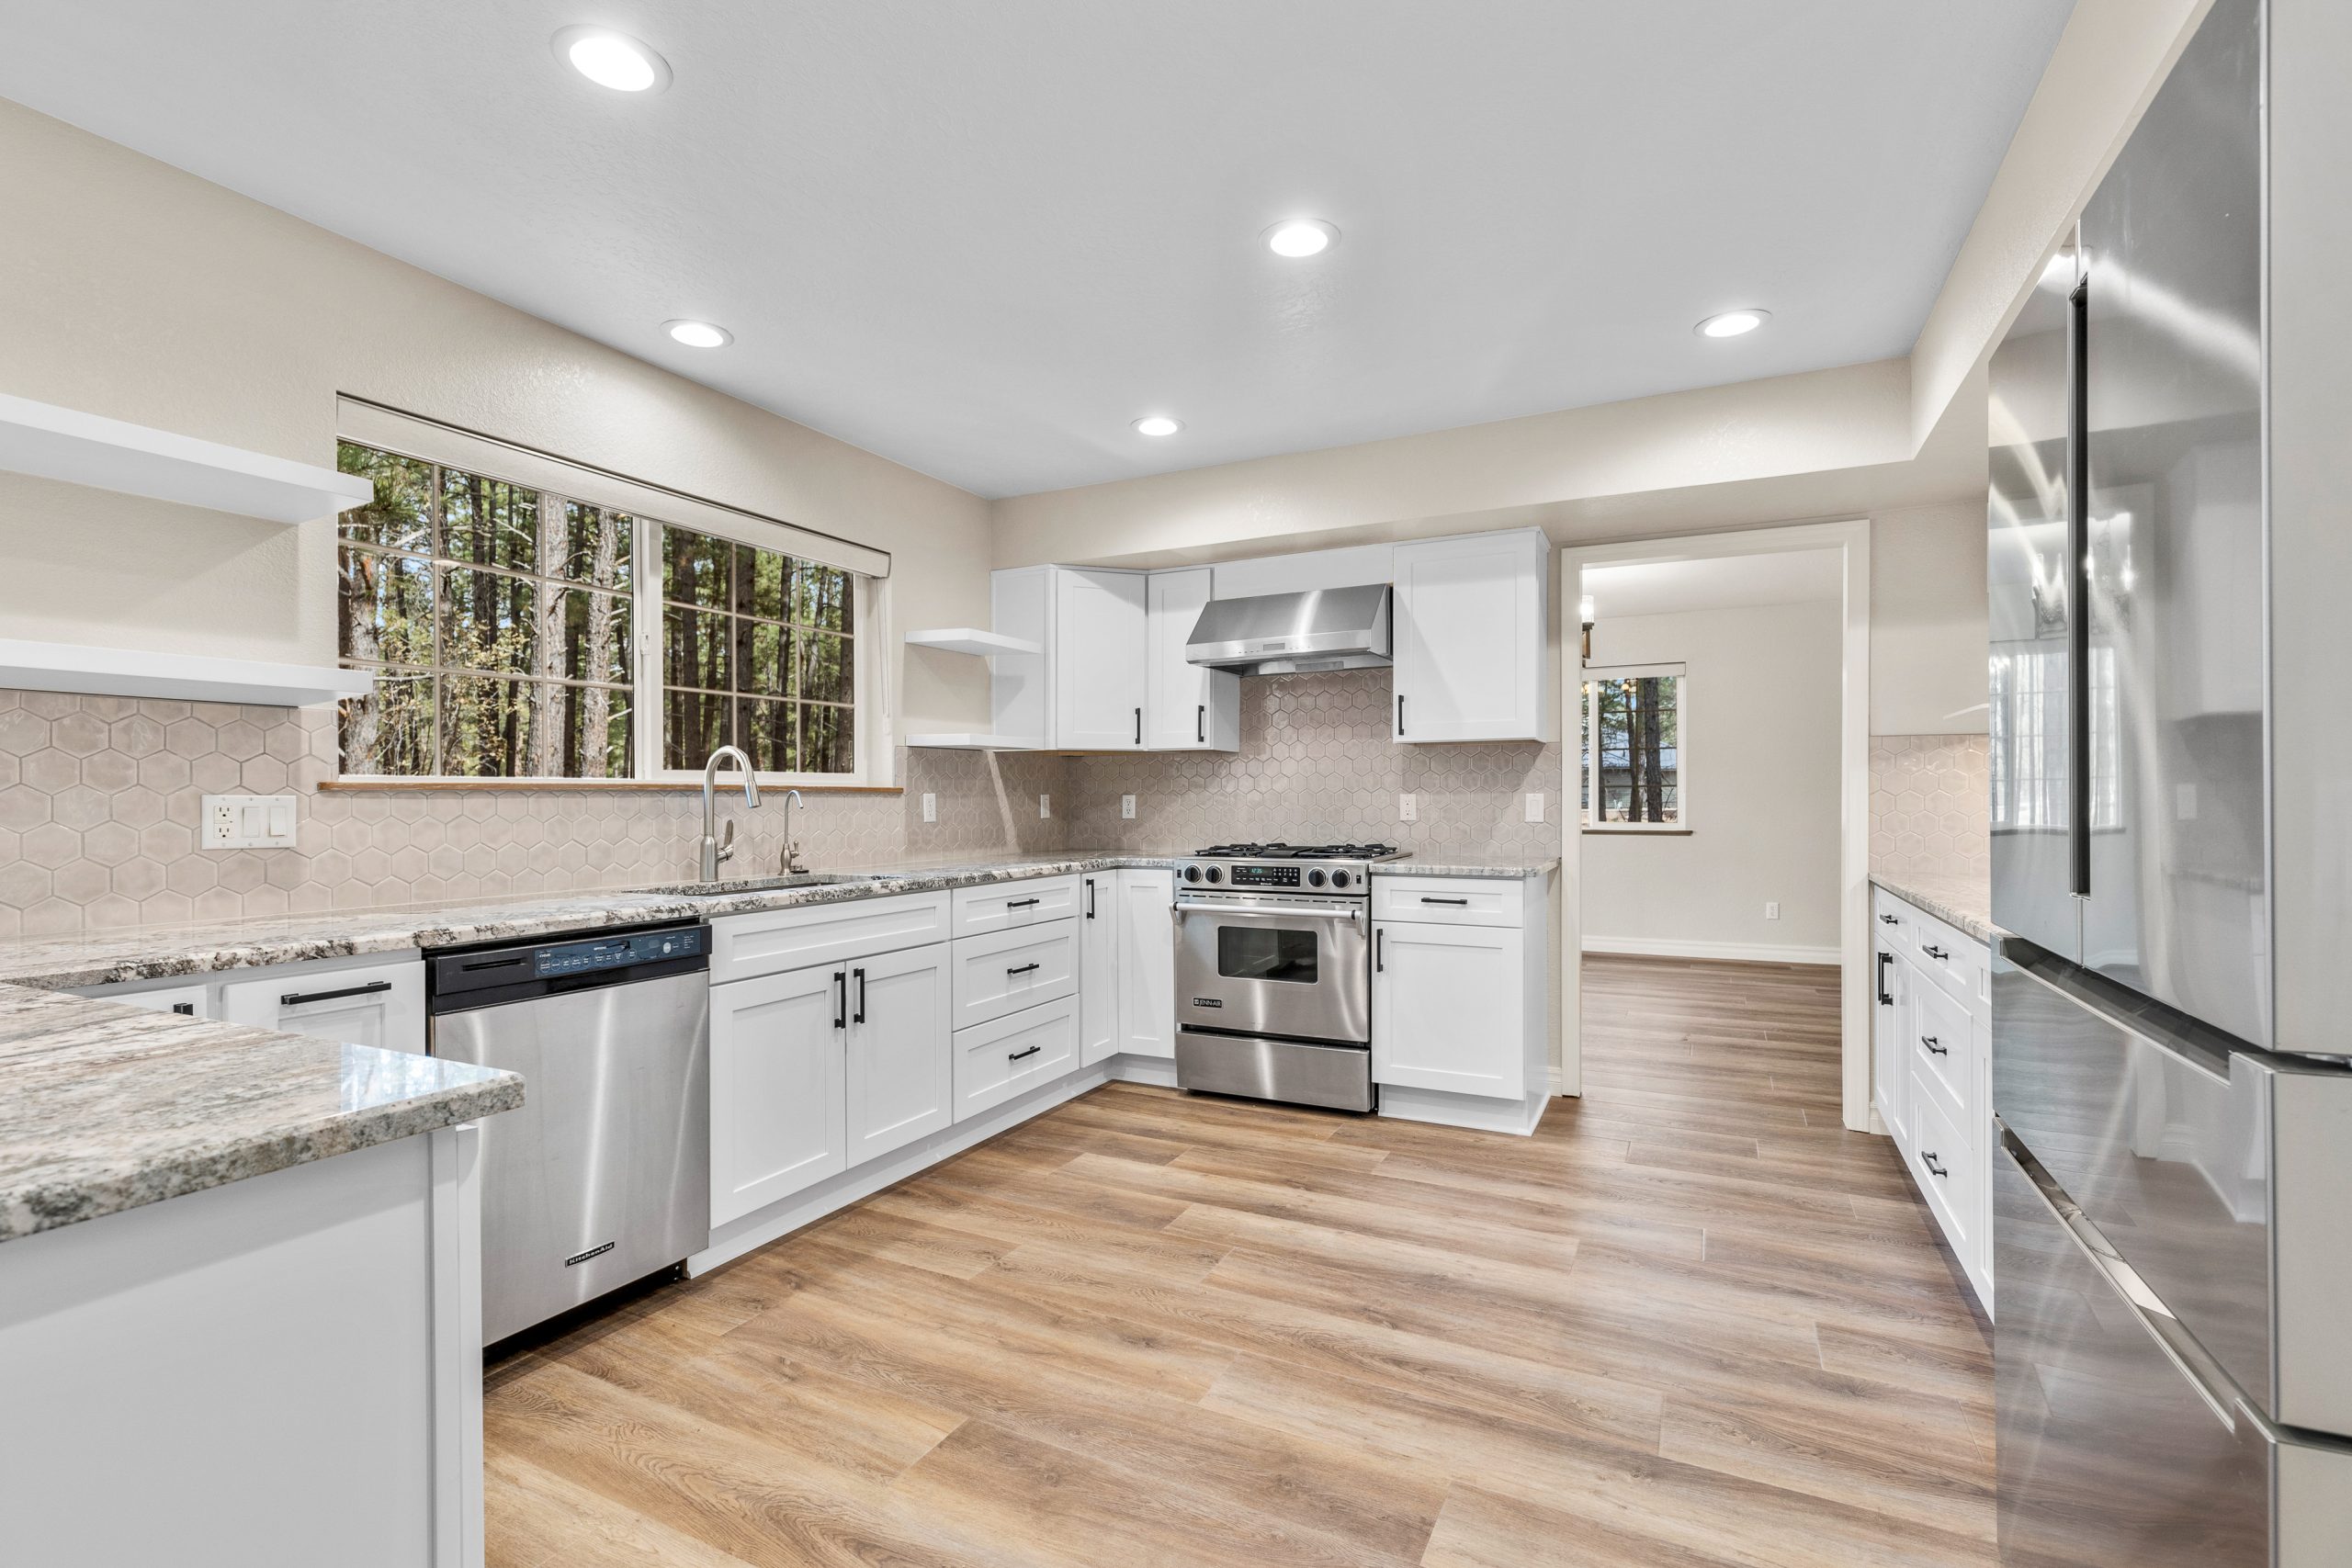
(1888, 920)
(841, 1003)
(1024, 903)
(1928, 1158)
(303, 999)
(1461, 903)
(1024, 969)
(1935, 953)
(1031, 1051)
(1934, 1049)
(859, 1016)
(1138, 727)
(1201, 725)
(1885, 997)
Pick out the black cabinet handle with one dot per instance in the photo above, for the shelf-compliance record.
(1928, 1158)
(841, 1000)
(303, 999)
(1023, 904)
(1934, 1049)
(1201, 725)
(1888, 920)
(1031, 1051)
(1400, 712)
(1379, 951)
(185, 1010)
(859, 1016)
(1138, 727)
(1936, 952)
(1885, 997)
(1089, 897)
(1023, 970)
(1463, 902)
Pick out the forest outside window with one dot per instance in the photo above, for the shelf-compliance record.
(501, 620)
(1635, 749)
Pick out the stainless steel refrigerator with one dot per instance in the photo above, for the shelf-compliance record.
(2170, 583)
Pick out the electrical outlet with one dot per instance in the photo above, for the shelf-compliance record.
(1408, 808)
(929, 808)
(1771, 909)
(1045, 807)
(248, 822)
(1535, 806)
(1127, 807)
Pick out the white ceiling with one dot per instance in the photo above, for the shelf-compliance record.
(981, 239)
(1722, 582)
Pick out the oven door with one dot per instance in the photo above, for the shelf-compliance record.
(1268, 966)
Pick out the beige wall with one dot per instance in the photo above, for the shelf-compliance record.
(140, 292)
(1763, 788)
(1928, 620)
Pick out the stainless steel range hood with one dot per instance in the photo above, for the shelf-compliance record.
(1277, 634)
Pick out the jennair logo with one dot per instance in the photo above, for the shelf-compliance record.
(1207, 1002)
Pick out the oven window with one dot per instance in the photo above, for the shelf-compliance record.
(1261, 953)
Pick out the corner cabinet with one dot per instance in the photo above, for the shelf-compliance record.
(1110, 673)
(1473, 639)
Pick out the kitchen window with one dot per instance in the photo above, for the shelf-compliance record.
(1634, 748)
(518, 632)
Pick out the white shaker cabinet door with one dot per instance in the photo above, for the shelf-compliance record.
(1891, 1039)
(1098, 966)
(902, 1071)
(777, 1090)
(1446, 1008)
(1472, 655)
(1187, 706)
(1099, 661)
(1146, 964)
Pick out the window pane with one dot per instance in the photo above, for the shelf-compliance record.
(695, 568)
(487, 521)
(489, 619)
(764, 730)
(770, 581)
(821, 597)
(694, 724)
(592, 726)
(400, 517)
(823, 665)
(586, 636)
(390, 731)
(697, 650)
(385, 606)
(594, 547)
(486, 727)
(828, 739)
(1633, 747)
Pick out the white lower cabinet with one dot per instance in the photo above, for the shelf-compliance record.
(1445, 1008)
(777, 1068)
(900, 1083)
(1009, 1056)
(1098, 967)
(1147, 949)
(376, 1003)
(1890, 1023)
(1006, 971)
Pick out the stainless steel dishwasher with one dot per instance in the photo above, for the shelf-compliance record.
(604, 1176)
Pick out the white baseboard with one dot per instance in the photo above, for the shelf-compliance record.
(1723, 951)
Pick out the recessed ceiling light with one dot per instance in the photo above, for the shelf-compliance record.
(698, 334)
(1158, 425)
(612, 60)
(1732, 323)
(1296, 237)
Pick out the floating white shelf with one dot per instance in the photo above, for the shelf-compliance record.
(978, 742)
(89, 449)
(130, 673)
(972, 639)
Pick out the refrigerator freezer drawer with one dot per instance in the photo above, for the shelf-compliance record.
(2120, 1444)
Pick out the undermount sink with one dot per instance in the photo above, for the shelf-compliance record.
(733, 886)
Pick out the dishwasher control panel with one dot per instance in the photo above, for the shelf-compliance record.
(615, 951)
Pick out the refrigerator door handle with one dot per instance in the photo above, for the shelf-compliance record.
(2210, 1058)
(2078, 589)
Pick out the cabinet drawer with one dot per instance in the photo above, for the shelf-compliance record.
(188, 1002)
(1893, 919)
(1944, 1165)
(1007, 1056)
(360, 1004)
(1005, 971)
(1449, 900)
(743, 947)
(1943, 1050)
(1952, 958)
(1005, 906)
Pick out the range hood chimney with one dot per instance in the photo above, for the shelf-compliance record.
(1280, 634)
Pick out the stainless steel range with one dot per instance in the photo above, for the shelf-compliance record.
(1273, 971)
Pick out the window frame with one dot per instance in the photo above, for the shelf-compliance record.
(1586, 677)
(872, 739)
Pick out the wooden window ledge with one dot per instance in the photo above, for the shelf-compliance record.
(581, 786)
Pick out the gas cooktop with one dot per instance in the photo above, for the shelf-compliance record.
(1302, 851)
(1339, 868)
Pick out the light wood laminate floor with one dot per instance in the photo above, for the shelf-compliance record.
(1691, 1321)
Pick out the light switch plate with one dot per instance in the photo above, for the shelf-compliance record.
(1771, 909)
(1127, 807)
(1045, 807)
(929, 808)
(248, 822)
(1408, 808)
(1535, 806)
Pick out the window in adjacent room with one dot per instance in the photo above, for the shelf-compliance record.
(500, 620)
(1634, 747)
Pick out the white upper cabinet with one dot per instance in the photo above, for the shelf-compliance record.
(1187, 707)
(1472, 643)
(1098, 654)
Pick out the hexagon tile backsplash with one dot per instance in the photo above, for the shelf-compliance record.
(99, 806)
(1929, 806)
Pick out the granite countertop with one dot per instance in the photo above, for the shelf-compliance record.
(105, 1107)
(1965, 901)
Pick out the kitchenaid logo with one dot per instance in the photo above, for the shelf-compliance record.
(1207, 1002)
(584, 1257)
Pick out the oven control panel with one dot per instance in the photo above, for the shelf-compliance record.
(1246, 875)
